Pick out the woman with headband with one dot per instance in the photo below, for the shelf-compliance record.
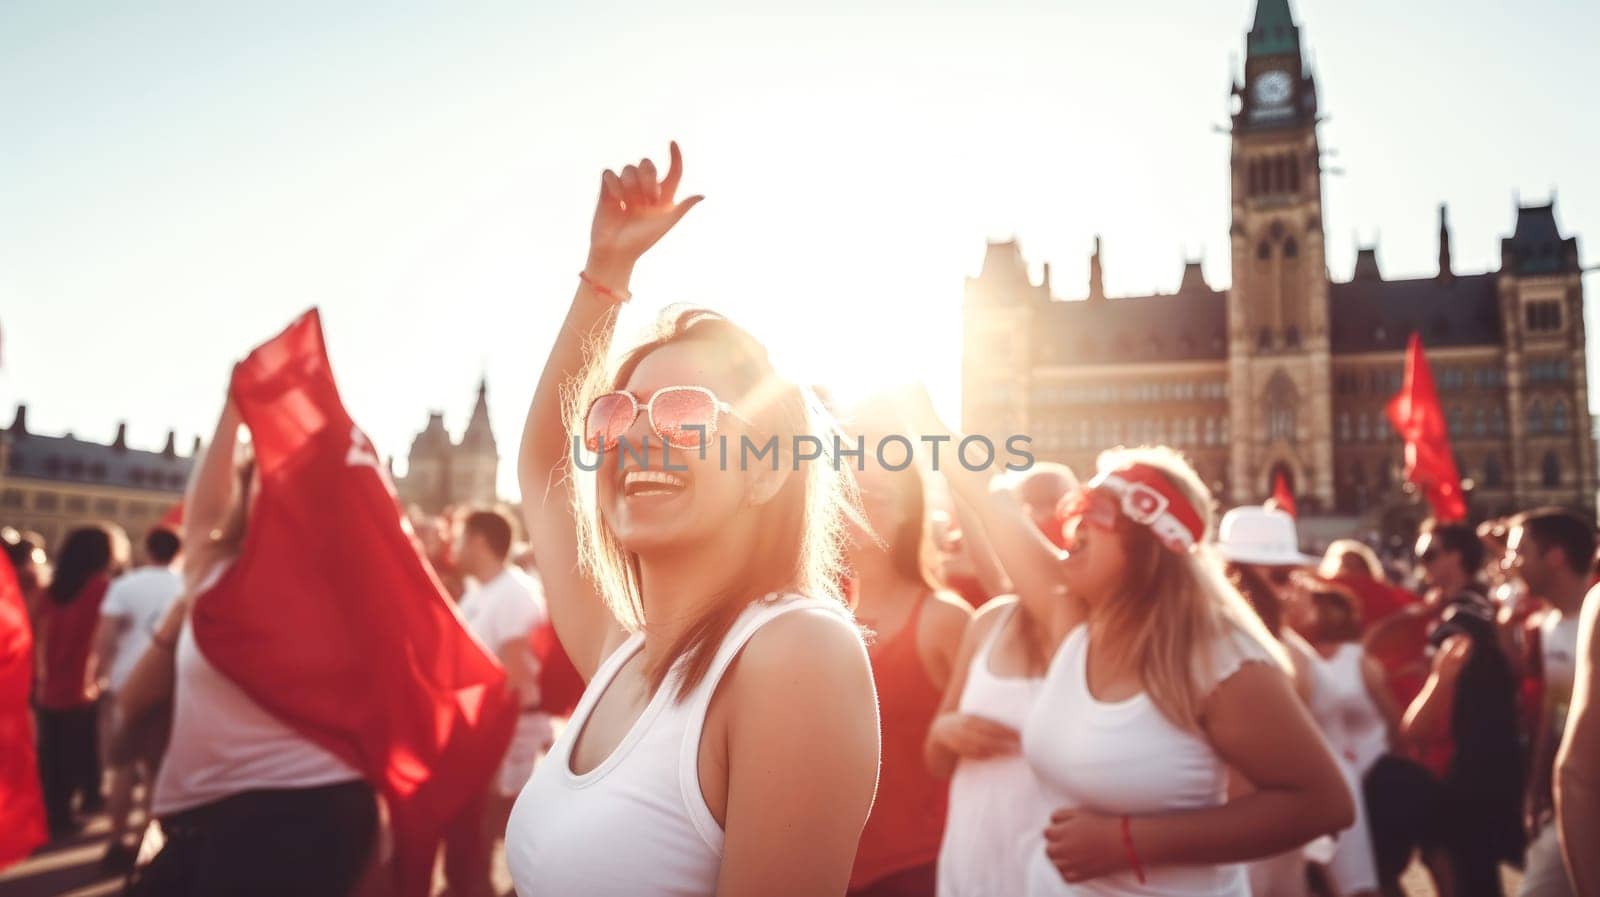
(1164, 682)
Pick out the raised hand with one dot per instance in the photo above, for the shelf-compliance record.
(634, 212)
(1452, 656)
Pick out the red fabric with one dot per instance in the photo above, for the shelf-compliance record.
(1402, 650)
(66, 632)
(1283, 494)
(560, 686)
(1378, 599)
(22, 818)
(907, 821)
(968, 587)
(1420, 421)
(173, 519)
(331, 618)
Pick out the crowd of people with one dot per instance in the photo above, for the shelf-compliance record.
(859, 678)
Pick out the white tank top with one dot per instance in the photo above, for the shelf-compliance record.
(1126, 758)
(637, 823)
(224, 743)
(1558, 647)
(995, 804)
(1344, 709)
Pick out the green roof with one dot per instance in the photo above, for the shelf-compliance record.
(1274, 31)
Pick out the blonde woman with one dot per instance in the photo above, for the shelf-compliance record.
(727, 742)
(1164, 682)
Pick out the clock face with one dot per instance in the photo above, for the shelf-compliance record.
(1273, 88)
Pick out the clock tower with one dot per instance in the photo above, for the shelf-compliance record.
(1278, 349)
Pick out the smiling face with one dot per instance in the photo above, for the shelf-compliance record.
(650, 507)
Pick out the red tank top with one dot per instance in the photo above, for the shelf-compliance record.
(907, 821)
(67, 632)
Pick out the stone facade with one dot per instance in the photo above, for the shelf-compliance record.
(1287, 371)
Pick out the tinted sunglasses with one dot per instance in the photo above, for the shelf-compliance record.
(682, 416)
(1096, 508)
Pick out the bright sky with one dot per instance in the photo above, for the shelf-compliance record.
(178, 180)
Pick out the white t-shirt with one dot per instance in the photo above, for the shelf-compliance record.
(1126, 758)
(504, 608)
(223, 743)
(140, 598)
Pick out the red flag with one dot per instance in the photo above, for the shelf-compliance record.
(173, 519)
(332, 619)
(22, 818)
(1282, 494)
(1418, 418)
(560, 685)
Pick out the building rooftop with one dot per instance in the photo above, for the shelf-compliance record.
(73, 460)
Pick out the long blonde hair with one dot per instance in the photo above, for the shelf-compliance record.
(801, 531)
(1173, 609)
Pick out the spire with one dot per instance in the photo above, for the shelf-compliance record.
(1097, 285)
(1194, 278)
(1446, 274)
(194, 448)
(479, 435)
(121, 442)
(1045, 286)
(171, 448)
(1274, 32)
(1367, 264)
(19, 426)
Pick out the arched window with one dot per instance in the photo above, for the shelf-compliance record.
(1480, 422)
(1291, 249)
(1264, 339)
(1294, 174)
(1344, 426)
(1223, 428)
(1492, 477)
(1551, 470)
(1558, 417)
(1535, 418)
(1363, 427)
(1497, 421)
(1291, 337)
(1210, 432)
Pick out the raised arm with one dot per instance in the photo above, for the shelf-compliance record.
(1025, 556)
(212, 482)
(634, 211)
(1577, 773)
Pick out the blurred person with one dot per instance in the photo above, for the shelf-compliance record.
(501, 606)
(133, 609)
(1260, 546)
(26, 551)
(728, 738)
(975, 740)
(69, 752)
(1470, 695)
(1347, 701)
(916, 631)
(1577, 766)
(1549, 551)
(1355, 566)
(437, 535)
(1164, 681)
(247, 804)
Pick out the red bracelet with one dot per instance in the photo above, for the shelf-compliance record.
(603, 290)
(1133, 855)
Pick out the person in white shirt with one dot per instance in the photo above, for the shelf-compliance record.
(134, 607)
(501, 608)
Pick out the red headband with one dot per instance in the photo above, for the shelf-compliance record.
(1148, 498)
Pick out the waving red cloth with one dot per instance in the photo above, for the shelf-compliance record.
(1420, 421)
(331, 618)
(560, 685)
(22, 819)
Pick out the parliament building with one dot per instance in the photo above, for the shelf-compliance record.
(1287, 372)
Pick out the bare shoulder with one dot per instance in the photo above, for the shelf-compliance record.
(992, 611)
(810, 642)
